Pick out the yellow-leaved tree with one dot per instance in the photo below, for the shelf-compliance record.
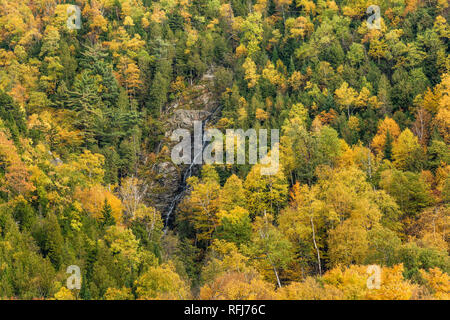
(387, 127)
(162, 283)
(406, 151)
(346, 97)
(200, 208)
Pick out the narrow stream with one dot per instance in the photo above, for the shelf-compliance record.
(187, 174)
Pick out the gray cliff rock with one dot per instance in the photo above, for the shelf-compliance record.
(167, 181)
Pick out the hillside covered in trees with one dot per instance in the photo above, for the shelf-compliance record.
(364, 178)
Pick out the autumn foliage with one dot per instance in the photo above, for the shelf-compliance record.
(86, 176)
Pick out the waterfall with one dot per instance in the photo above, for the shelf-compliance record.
(186, 175)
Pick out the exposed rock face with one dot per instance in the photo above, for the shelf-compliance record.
(164, 185)
(55, 161)
(168, 180)
(185, 119)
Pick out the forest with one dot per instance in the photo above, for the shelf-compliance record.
(364, 161)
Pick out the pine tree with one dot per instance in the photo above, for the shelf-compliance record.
(85, 293)
(388, 146)
(54, 241)
(107, 217)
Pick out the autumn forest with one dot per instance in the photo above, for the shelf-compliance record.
(91, 90)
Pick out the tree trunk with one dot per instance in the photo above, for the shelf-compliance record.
(276, 274)
(315, 246)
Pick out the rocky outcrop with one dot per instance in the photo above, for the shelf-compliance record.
(182, 118)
